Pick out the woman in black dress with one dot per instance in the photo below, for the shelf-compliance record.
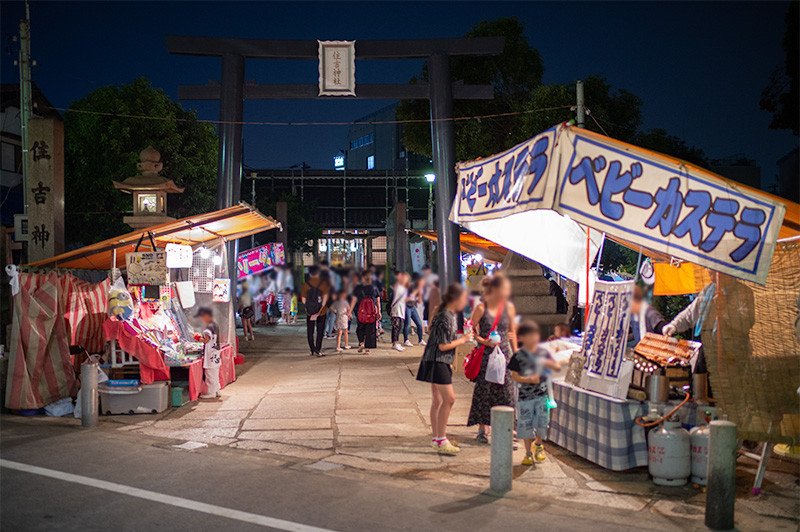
(496, 293)
(436, 366)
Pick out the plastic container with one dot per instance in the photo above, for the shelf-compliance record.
(179, 393)
(143, 399)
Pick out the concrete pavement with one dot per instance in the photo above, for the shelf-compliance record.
(354, 416)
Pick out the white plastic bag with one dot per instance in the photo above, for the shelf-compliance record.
(496, 367)
(120, 303)
(62, 407)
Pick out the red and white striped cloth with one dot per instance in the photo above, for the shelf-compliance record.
(39, 371)
(86, 308)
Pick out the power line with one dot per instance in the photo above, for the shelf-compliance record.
(415, 121)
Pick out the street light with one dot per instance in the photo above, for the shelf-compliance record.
(430, 178)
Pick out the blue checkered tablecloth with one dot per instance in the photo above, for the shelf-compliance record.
(597, 427)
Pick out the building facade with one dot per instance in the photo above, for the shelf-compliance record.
(375, 142)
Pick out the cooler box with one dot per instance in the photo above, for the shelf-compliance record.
(142, 399)
(179, 393)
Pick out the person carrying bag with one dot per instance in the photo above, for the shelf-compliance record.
(472, 362)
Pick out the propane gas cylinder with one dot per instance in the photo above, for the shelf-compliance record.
(699, 436)
(669, 450)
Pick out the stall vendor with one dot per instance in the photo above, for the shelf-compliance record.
(211, 352)
(644, 318)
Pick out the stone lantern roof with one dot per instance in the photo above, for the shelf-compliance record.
(149, 165)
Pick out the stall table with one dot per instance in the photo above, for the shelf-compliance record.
(151, 361)
(597, 427)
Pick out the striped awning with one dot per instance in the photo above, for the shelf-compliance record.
(239, 221)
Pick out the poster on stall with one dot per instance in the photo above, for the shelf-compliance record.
(147, 268)
(259, 259)
(570, 179)
(605, 339)
(221, 291)
(417, 256)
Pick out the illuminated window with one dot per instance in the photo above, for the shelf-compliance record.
(370, 162)
(148, 203)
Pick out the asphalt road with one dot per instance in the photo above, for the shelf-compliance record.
(152, 486)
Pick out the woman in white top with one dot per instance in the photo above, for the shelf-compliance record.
(398, 309)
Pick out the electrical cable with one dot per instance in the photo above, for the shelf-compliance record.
(414, 121)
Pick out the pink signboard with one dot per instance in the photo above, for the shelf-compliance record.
(259, 259)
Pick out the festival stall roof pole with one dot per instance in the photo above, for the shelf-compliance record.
(537, 197)
(235, 222)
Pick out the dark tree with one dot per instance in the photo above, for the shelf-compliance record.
(782, 96)
(101, 148)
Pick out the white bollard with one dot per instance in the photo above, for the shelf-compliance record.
(721, 496)
(502, 449)
(89, 406)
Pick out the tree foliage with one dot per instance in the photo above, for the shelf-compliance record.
(514, 74)
(782, 96)
(100, 149)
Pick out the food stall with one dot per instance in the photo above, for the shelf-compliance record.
(557, 196)
(160, 277)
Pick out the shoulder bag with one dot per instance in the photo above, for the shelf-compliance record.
(472, 363)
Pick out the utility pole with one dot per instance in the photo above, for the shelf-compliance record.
(581, 105)
(25, 97)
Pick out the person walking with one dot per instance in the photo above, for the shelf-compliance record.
(397, 309)
(315, 297)
(495, 313)
(436, 366)
(366, 303)
(246, 311)
(412, 311)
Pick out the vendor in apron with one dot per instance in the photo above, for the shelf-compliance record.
(644, 318)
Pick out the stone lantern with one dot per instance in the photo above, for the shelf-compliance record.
(149, 191)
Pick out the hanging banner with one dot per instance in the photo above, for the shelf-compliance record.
(606, 337)
(631, 193)
(259, 259)
(337, 68)
(417, 256)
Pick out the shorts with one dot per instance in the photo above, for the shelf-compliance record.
(435, 372)
(533, 417)
(294, 313)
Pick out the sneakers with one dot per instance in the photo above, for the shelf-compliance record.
(423, 342)
(482, 438)
(539, 456)
(446, 448)
(408, 343)
(528, 460)
(339, 349)
(398, 347)
(348, 347)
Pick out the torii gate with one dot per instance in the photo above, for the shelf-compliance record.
(440, 90)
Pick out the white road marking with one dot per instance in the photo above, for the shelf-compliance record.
(162, 498)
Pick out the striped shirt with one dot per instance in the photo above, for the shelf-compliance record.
(443, 330)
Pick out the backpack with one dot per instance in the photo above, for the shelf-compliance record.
(313, 299)
(367, 311)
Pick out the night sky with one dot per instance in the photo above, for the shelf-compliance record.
(699, 67)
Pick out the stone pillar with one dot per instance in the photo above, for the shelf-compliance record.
(45, 188)
(400, 237)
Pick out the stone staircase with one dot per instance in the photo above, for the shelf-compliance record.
(531, 293)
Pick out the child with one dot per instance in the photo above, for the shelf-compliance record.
(286, 308)
(293, 309)
(527, 368)
(436, 364)
(340, 310)
(329, 317)
(211, 352)
(560, 330)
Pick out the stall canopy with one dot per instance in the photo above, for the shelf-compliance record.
(473, 244)
(231, 223)
(541, 197)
